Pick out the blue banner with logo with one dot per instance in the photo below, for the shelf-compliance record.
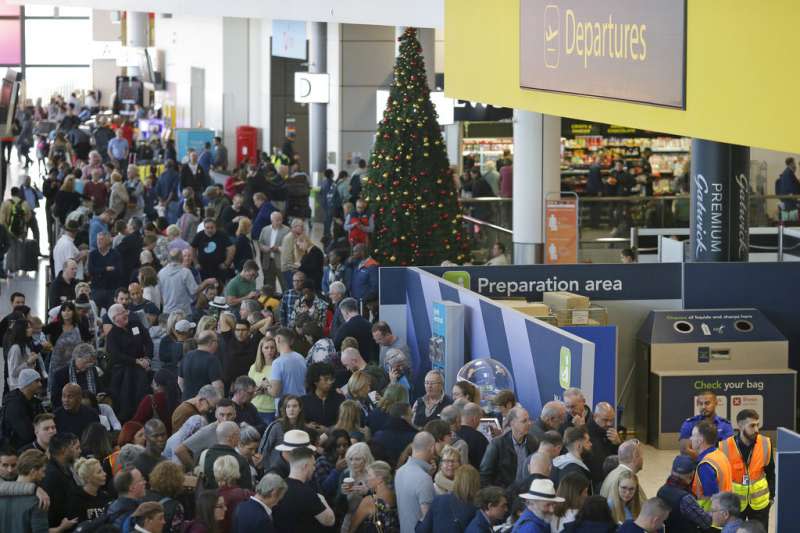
(543, 359)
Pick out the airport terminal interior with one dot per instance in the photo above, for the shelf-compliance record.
(349, 266)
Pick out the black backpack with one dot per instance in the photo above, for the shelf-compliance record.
(90, 526)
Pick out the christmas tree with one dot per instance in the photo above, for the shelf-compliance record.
(410, 186)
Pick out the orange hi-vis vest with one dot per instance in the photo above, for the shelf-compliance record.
(749, 480)
(722, 467)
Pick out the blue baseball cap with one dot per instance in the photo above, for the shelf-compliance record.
(683, 464)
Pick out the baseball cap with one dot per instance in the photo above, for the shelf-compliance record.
(27, 376)
(184, 326)
(683, 464)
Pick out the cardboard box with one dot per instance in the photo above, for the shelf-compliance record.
(560, 301)
(593, 316)
(535, 309)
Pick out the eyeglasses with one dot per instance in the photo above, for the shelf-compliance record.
(433, 383)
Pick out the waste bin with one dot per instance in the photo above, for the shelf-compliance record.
(737, 353)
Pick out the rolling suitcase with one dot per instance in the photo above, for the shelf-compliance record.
(30, 255)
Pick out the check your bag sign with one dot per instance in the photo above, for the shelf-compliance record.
(632, 50)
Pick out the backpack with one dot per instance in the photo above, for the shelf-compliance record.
(17, 224)
(90, 526)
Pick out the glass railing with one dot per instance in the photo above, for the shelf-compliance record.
(606, 222)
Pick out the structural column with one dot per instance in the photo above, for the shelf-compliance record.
(136, 24)
(720, 202)
(536, 173)
(317, 113)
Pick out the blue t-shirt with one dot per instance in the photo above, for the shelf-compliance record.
(724, 428)
(290, 370)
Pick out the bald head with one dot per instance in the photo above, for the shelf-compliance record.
(604, 415)
(424, 446)
(352, 360)
(630, 454)
(540, 463)
(554, 414)
(276, 218)
(228, 433)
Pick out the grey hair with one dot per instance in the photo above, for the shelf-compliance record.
(269, 484)
(209, 393)
(338, 287)
(574, 391)
(551, 409)
(128, 455)
(242, 383)
(450, 414)
(728, 502)
(83, 350)
(248, 434)
(226, 469)
(349, 305)
(472, 409)
(514, 413)
(226, 430)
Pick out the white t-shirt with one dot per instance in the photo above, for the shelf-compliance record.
(63, 250)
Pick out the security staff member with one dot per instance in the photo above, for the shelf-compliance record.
(708, 411)
(752, 468)
(713, 468)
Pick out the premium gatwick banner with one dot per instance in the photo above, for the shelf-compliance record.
(622, 49)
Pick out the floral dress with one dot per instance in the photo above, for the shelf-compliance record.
(383, 520)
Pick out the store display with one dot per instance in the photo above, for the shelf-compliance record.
(582, 143)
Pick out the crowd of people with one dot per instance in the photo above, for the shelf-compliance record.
(204, 367)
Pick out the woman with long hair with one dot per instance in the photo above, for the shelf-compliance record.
(574, 488)
(466, 390)
(189, 220)
(448, 464)
(19, 355)
(350, 415)
(161, 403)
(66, 200)
(148, 279)
(206, 323)
(244, 244)
(452, 512)
(290, 417)
(332, 462)
(358, 387)
(260, 372)
(64, 333)
(624, 500)
(96, 442)
(118, 197)
(594, 517)
(90, 499)
(377, 512)
(378, 417)
(209, 512)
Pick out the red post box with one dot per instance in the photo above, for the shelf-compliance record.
(246, 144)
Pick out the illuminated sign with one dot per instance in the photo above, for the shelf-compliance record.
(631, 50)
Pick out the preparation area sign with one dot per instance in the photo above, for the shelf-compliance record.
(632, 50)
